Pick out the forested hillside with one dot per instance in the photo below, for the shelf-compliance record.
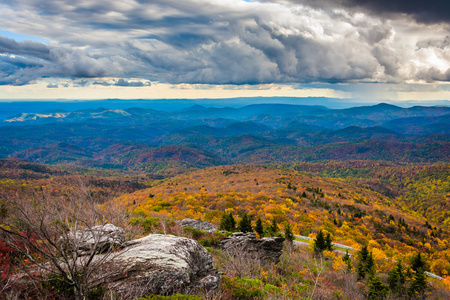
(372, 178)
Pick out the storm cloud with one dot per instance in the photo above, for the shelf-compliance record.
(24, 62)
(432, 11)
(226, 42)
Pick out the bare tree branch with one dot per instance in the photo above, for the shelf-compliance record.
(62, 237)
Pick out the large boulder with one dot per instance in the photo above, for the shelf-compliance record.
(97, 238)
(197, 224)
(162, 264)
(268, 249)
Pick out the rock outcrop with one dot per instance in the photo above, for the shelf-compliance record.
(267, 249)
(162, 264)
(197, 224)
(96, 238)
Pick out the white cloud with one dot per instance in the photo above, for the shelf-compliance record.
(219, 42)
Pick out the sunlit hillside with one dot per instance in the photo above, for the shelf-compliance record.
(353, 214)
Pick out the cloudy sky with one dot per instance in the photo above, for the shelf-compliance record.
(92, 49)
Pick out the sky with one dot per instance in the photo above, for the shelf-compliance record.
(147, 49)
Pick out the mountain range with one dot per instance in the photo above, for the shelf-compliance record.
(198, 136)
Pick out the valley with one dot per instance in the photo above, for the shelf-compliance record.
(375, 176)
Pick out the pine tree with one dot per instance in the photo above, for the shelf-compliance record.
(361, 267)
(273, 228)
(228, 223)
(328, 242)
(417, 262)
(224, 222)
(348, 261)
(363, 253)
(396, 278)
(232, 222)
(319, 243)
(370, 264)
(259, 227)
(418, 285)
(360, 270)
(377, 289)
(288, 232)
(245, 224)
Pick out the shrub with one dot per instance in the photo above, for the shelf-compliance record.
(246, 288)
(146, 223)
(58, 284)
(243, 288)
(211, 240)
(196, 233)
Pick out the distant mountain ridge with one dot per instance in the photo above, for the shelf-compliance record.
(199, 136)
(316, 115)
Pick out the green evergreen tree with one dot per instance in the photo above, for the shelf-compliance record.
(363, 253)
(360, 270)
(319, 242)
(377, 289)
(232, 222)
(288, 232)
(370, 264)
(273, 228)
(224, 222)
(259, 227)
(245, 224)
(348, 261)
(417, 262)
(396, 278)
(328, 242)
(418, 285)
(361, 267)
(228, 223)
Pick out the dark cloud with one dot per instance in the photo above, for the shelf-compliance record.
(432, 11)
(229, 42)
(52, 86)
(16, 70)
(27, 61)
(25, 48)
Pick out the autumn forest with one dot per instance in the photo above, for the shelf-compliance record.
(361, 195)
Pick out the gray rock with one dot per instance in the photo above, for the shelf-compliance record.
(267, 249)
(96, 238)
(197, 224)
(162, 264)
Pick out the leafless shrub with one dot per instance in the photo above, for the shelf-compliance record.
(42, 230)
(316, 274)
(236, 261)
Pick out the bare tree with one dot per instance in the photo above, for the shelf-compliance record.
(238, 261)
(316, 274)
(61, 238)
